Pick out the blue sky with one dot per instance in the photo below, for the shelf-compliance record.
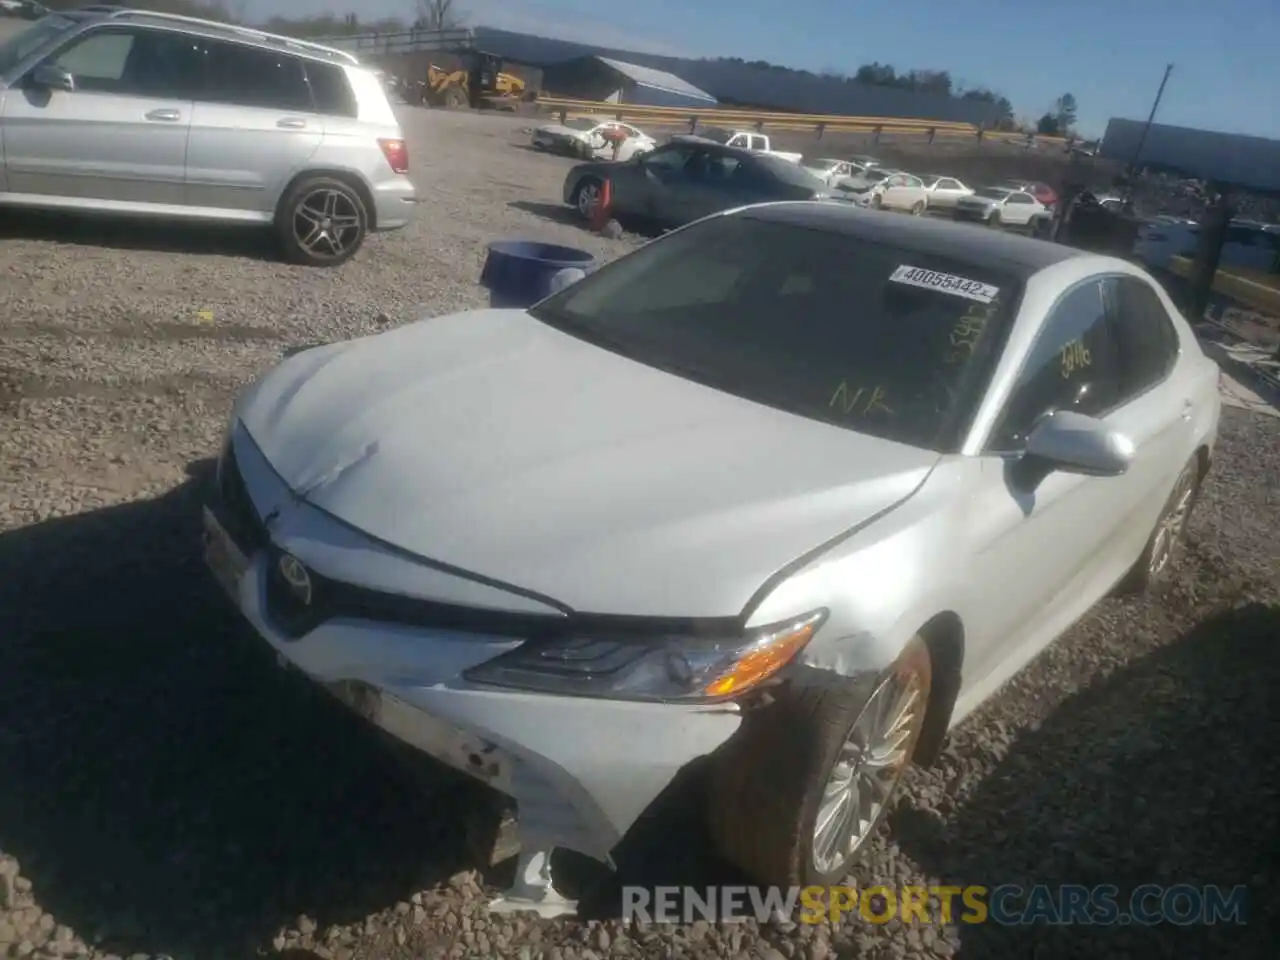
(1109, 53)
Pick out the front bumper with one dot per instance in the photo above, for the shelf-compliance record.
(580, 770)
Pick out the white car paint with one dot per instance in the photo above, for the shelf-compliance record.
(944, 191)
(831, 171)
(760, 143)
(596, 137)
(888, 189)
(544, 475)
(1008, 207)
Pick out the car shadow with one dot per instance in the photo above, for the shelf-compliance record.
(555, 212)
(166, 788)
(124, 233)
(1163, 773)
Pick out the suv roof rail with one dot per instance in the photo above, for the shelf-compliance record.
(248, 33)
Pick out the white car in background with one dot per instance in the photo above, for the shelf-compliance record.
(1000, 206)
(944, 191)
(831, 171)
(888, 190)
(592, 139)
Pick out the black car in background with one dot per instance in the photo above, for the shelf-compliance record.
(685, 180)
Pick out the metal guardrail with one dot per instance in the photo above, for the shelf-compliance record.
(761, 120)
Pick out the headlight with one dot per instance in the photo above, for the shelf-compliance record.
(672, 668)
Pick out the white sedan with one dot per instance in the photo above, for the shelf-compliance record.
(590, 139)
(888, 190)
(944, 191)
(831, 171)
(1000, 206)
(570, 549)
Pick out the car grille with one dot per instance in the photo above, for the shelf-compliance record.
(238, 513)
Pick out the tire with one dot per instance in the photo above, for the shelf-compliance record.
(1171, 527)
(917, 208)
(766, 784)
(582, 191)
(454, 99)
(877, 202)
(994, 219)
(300, 222)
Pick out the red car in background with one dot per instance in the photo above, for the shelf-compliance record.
(1041, 191)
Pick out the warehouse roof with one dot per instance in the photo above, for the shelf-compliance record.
(1251, 163)
(657, 79)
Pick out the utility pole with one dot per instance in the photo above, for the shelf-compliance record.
(1142, 140)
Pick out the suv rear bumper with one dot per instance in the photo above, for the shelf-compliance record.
(394, 203)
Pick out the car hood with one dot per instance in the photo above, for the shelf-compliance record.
(556, 130)
(502, 446)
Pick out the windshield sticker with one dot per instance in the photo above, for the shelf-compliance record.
(945, 282)
(858, 401)
(967, 330)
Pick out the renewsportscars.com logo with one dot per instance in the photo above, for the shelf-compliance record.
(1008, 905)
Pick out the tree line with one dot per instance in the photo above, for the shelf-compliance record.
(1058, 120)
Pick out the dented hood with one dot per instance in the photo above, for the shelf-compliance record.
(500, 445)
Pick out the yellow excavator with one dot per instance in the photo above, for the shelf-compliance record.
(473, 79)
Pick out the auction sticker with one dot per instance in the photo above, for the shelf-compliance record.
(946, 283)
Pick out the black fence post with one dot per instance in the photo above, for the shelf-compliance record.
(759, 126)
(693, 124)
(822, 128)
(933, 132)
(981, 131)
(875, 136)
(564, 114)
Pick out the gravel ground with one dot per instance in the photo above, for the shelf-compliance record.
(164, 790)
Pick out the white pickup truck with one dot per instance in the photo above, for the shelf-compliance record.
(746, 139)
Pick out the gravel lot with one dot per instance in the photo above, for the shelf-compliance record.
(165, 790)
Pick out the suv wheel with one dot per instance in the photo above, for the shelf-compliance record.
(805, 781)
(322, 222)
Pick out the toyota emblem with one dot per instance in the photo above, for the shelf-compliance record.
(295, 575)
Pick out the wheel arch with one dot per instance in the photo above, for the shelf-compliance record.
(349, 177)
(944, 637)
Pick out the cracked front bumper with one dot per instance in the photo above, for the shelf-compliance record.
(580, 770)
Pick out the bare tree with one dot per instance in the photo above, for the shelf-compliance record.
(436, 15)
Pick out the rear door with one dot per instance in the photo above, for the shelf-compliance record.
(654, 193)
(120, 135)
(253, 127)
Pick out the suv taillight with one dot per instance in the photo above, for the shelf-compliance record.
(397, 154)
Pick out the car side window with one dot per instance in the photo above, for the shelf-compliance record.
(1146, 341)
(131, 62)
(330, 91)
(1071, 366)
(252, 77)
(1019, 198)
(672, 158)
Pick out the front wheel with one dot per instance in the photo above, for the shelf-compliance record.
(993, 220)
(586, 198)
(1166, 539)
(877, 202)
(321, 222)
(805, 781)
(917, 208)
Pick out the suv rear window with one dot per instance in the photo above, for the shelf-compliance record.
(882, 340)
(331, 91)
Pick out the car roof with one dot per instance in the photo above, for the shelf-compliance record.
(1017, 254)
(211, 29)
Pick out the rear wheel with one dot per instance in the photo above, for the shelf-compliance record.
(454, 99)
(993, 219)
(806, 781)
(321, 222)
(586, 198)
(1166, 539)
(877, 202)
(917, 208)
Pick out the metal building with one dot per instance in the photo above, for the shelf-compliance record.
(1250, 163)
(614, 81)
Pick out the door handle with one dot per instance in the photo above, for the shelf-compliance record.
(1187, 409)
(165, 115)
(292, 123)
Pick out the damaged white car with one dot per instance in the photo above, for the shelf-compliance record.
(589, 138)
(698, 506)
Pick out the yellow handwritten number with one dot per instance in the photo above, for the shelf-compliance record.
(859, 401)
(1075, 356)
(965, 334)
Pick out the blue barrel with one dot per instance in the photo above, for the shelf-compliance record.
(519, 273)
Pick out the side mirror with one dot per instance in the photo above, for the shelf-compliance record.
(1079, 444)
(53, 78)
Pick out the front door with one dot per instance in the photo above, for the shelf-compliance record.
(120, 136)
(253, 127)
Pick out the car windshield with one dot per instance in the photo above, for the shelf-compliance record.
(883, 340)
(26, 42)
(581, 123)
(993, 193)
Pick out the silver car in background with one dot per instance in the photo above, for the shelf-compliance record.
(115, 111)
(944, 192)
(1000, 206)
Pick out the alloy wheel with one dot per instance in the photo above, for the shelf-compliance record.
(588, 199)
(1172, 524)
(868, 768)
(326, 223)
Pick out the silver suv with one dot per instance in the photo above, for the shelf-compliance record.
(110, 110)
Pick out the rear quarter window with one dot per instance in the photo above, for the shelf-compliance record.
(331, 91)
